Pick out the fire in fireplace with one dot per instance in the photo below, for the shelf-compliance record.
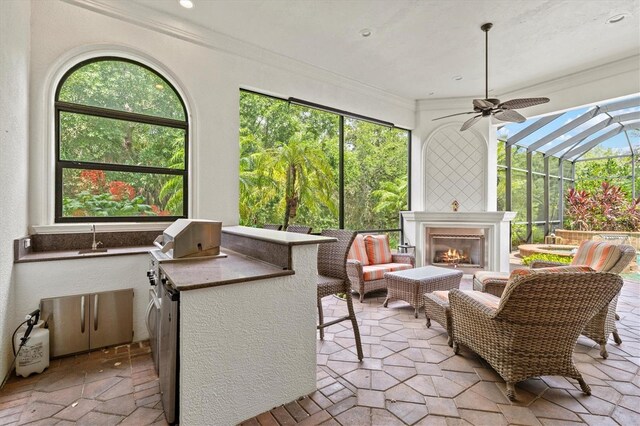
(457, 250)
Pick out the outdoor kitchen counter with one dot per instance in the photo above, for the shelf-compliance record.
(235, 268)
(247, 327)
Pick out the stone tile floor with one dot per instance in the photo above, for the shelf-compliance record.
(106, 387)
(409, 376)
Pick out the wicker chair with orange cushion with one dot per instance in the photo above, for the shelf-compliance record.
(601, 325)
(369, 258)
(533, 328)
(601, 256)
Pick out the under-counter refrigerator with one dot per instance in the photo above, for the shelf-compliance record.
(89, 321)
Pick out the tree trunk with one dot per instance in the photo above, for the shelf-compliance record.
(291, 199)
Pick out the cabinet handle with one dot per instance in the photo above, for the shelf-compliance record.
(82, 311)
(95, 311)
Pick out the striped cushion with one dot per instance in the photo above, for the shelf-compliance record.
(599, 255)
(378, 249)
(491, 276)
(518, 273)
(485, 298)
(358, 250)
(376, 272)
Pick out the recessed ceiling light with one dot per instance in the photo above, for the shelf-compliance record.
(617, 18)
(187, 4)
(457, 77)
(365, 32)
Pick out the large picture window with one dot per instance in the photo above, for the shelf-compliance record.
(121, 144)
(316, 166)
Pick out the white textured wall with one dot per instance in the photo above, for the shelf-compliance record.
(14, 148)
(248, 347)
(39, 280)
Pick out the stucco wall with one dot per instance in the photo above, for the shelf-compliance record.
(248, 347)
(14, 146)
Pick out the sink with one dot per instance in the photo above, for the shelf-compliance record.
(89, 251)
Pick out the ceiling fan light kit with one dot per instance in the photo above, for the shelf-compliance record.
(503, 111)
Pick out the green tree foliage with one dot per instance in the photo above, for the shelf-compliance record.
(128, 87)
(289, 165)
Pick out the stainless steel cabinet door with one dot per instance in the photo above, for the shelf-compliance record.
(111, 318)
(68, 323)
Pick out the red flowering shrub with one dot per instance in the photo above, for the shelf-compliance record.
(604, 210)
(93, 181)
(121, 190)
(159, 212)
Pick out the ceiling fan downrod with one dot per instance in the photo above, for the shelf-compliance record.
(486, 27)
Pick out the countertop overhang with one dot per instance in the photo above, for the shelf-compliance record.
(235, 268)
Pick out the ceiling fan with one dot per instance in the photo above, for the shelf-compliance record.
(503, 111)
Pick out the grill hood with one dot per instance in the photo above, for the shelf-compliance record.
(190, 238)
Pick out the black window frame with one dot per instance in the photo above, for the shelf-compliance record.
(342, 114)
(60, 165)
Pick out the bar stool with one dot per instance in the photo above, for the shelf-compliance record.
(332, 278)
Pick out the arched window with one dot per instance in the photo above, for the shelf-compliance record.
(121, 144)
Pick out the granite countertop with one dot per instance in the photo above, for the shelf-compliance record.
(278, 237)
(40, 256)
(235, 268)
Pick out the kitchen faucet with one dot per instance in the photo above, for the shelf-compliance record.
(94, 244)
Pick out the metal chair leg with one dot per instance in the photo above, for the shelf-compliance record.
(320, 318)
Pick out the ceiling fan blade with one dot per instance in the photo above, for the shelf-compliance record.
(470, 122)
(485, 103)
(453, 115)
(510, 115)
(522, 103)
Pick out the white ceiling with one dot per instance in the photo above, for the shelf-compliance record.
(417, 46)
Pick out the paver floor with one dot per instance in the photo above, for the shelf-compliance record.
(409, 376)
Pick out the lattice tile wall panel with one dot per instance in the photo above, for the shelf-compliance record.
(455, 170)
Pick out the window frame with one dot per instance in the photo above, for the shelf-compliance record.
(342, 114)
(93, 111)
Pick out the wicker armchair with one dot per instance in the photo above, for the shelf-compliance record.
(273, 226)
(599, 255)
(300, 229)
(536, 325)
(369, 259)
(332, 279)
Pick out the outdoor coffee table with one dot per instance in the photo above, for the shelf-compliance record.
(411, 284)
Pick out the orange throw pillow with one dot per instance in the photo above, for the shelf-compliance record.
(358, 251)
(378, 250)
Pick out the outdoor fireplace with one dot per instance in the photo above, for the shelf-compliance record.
(452, 249)
(493, 227)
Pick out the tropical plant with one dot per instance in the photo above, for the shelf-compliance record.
(607, 209)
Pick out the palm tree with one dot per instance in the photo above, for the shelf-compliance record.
(392, 197)
(307, 176)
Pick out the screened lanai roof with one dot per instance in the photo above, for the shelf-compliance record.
(570, 135)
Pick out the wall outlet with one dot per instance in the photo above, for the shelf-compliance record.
(26, 242)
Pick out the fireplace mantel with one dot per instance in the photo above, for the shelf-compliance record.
(496, 226)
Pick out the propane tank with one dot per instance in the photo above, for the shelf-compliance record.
(34, 355)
